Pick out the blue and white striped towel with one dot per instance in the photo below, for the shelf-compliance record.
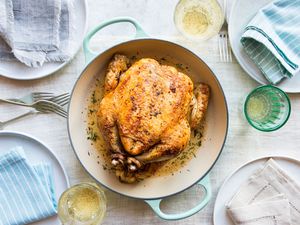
(26, 192)
(272, 40)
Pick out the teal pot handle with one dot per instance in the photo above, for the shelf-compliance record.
(205, 183)
(89, 54)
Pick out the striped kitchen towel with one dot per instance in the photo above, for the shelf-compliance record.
(272, 40)
(26, 192)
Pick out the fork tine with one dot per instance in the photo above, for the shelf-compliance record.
(220, 47)
(58, 111)
(61, 110)
(55, 108)
(226, 48)
(41, 93)
(229, 50)
(47, 95)
(63, 114)
(60, 96)
(63, 101)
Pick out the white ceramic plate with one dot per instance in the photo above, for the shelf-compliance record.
(18, 71)
(242, 12)
(235, 180)
(37, 152)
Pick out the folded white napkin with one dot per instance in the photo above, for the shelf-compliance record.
(36, 31)
(269, 196)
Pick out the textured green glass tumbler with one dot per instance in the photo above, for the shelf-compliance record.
(267, 108)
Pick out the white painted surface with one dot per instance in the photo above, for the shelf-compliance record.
(243, 142)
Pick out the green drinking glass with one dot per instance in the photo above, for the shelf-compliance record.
(267, 108)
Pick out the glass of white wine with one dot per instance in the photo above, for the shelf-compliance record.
(82, 204)
(198, 19)
(267, 108)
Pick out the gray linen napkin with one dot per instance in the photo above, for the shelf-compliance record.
(36, 31)
(66, 34)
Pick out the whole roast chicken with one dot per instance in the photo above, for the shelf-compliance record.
(147, 113)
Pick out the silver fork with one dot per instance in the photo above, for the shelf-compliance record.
(31, 98)
(62, 99)
(45, 106)
(48, 106)
(224, 45)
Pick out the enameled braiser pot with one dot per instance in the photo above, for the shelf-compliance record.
(152, 189)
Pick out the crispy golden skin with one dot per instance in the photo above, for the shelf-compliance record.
(145, 115)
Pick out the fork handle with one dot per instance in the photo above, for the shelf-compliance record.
(4, 123)
(12, 101)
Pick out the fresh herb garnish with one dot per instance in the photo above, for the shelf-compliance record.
(91, 111)
(93, 98)
(194, 154)
(179, 66)
(92, 135)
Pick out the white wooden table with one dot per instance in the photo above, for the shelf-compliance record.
(243, 142)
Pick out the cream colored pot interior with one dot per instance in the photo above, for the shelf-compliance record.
(207, 154)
